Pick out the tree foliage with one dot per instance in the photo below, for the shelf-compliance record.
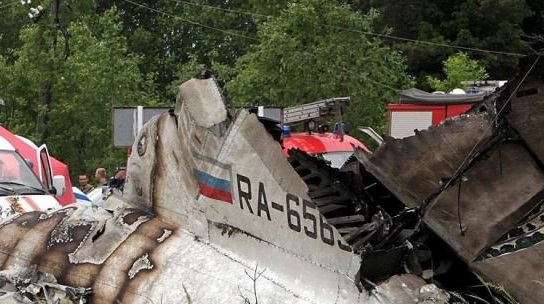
(305, 54)
(172, 36)
(458, 68)
(489, 31)
(99, 73)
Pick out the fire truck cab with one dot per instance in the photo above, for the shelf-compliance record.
(300, 130)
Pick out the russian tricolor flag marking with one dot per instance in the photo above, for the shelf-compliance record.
(213, 187)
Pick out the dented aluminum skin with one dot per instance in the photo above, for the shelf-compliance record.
(212, 213)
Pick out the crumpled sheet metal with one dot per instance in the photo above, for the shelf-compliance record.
(526, 104)
(498, 193)
(501, 187)
(399, 286)
(165, 241)
(412, 167)
(28, 285)
(500, 196)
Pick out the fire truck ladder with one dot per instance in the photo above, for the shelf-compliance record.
(316, 110)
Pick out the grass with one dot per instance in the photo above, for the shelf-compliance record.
(486, 293)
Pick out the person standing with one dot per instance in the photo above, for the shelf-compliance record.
(100, 176)
(84, 185)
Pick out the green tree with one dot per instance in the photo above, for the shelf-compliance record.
(306, 54)
(172, 35)
(13, 16)
(99, 73)
(458, 68)
(492, 25)
(488, 30)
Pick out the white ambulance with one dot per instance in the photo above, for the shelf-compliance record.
(20, 189)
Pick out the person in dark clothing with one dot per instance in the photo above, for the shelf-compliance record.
(119, 178)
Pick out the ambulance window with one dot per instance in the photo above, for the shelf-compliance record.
(9, 168)
(14, 169)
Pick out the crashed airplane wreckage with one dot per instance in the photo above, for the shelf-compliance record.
(214, 213)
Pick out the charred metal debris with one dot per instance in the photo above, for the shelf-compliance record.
(28, 285)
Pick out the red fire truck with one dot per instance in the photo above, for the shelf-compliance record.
(417, 110)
